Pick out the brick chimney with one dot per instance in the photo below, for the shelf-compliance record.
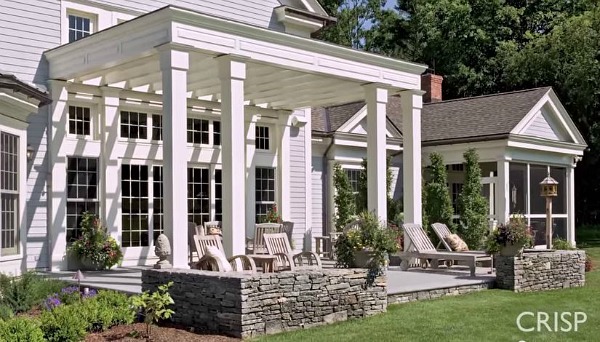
(432, 85)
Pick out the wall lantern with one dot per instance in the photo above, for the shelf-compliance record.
(30, 152)
(549, 189)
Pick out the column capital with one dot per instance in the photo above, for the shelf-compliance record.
(232, 67)
(415, 92)
(377, 90)
(111, 95)
(58, 89)
(174, 57)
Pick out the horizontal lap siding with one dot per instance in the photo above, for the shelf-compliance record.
(28, 29)
(540, 127)
(298, 184)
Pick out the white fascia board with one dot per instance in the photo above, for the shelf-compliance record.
(17, 107)
(192, 30)
(532, 143)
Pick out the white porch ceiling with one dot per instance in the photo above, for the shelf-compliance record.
(283, 71)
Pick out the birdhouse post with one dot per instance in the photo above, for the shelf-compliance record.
(549, 189)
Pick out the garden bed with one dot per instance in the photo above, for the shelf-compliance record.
(162, 333)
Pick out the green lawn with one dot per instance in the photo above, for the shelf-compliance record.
(485, 316)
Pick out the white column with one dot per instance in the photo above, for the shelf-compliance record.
(109, 170)
(503, 191)
(250, 174)
(232, 73)
(376, 98)
(57, 166)
(174, 65)
(283, 165)
(411, 104)
(570, 204)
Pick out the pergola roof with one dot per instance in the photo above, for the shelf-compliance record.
(283, 71)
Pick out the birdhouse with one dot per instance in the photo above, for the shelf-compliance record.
(549, 187)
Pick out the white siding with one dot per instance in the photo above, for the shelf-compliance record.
(298, 159)
(540, 127)
(319, 187)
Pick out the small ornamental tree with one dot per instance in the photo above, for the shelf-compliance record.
(343, 199)
(472, 206)
(437, 202)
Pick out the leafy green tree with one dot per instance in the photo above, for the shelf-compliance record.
(344, 200)
(438, 204)
(472, 206)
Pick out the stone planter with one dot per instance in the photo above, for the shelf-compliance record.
(89, 265)
(512, 250)
(363, 259)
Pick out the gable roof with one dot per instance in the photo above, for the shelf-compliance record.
(478, 118)
(10, 81)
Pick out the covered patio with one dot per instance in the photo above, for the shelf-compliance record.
(181, 61)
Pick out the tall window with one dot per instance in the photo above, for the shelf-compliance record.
(197, 131)
(218, 195)
(134, 125)
(79, 120)
(265, 191)
(158, 213)
(216, 133)
(157, 127)
(9, 193)
(79, 27)
(456, 190)
(134, 185)
(262, 138)
(353, 177)
(82, 192)
(198, 195)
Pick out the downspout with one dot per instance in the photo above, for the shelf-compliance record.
(327, 188)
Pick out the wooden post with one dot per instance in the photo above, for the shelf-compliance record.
(549, 222)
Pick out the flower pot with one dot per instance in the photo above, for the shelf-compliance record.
(90, 265)
(512, 250)
(363, 259)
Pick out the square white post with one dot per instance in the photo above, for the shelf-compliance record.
(57, 161)
(109, 170)
(411, 104)
(376, 98)
(570, 204)
(174, 65)
(232, 73)
(250, 174)
(283, 165)
(503, 191)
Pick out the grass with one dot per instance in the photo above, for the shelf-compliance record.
(484, 316)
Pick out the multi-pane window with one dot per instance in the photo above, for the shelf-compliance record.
(158, 213)
(134, 125)
(79, 27)
(198, 195)
(82, 192)
(456, 190)
(216, 133)
(134, 187)
(262, 138)
(353, 177)
(197, 131)
(79, 120)
(265, 191)
(218, 195)
(157, 127)
(9, 193)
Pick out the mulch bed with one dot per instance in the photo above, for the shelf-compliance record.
(163, 333)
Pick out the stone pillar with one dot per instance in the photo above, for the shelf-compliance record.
(232, 73)
(174, 65)
(377, 98)
(411, 103)
(57, 166)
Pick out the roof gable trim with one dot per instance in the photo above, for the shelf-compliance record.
(353, 123)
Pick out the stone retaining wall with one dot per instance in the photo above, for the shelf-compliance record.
(405, 297)
(248, 305)
(537, 271)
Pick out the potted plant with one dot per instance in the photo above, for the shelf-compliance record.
(509, 239)
(95, 249)
(368, 245)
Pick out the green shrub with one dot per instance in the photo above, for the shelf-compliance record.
(24, 292)
(97, 316)
(344, 199)
(65, 323)
(562, 244)
(6, 312)
(438, 203)
(119, 304)
(21, 329)
(154, 306)
(41, 288)
(472, 206)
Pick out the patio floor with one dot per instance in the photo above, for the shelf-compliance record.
(128, 279)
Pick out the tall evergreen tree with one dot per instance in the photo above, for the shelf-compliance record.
(472, 206)
(438, 204)
(343, 199)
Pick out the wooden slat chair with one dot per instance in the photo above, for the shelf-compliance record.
(193, 229)
(211, 224)
(442, 231)
(279, 245)
(288, 228)
(239, 263)
(257, 243)
(421, 247)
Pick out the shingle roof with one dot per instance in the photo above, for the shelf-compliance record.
(10, 81)
(472, 117)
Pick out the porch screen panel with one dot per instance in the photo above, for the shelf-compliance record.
(158, 213)
(198, 195)
(82, 193)
(134, 185)
(518, 188)
(265, 191)
(9, 192)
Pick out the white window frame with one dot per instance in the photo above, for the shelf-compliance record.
(148, 125)
(97, 200)
(94, 120)
(90, 16)
(103, 17)
(271, 139)
(275, 190)
(16, 250)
